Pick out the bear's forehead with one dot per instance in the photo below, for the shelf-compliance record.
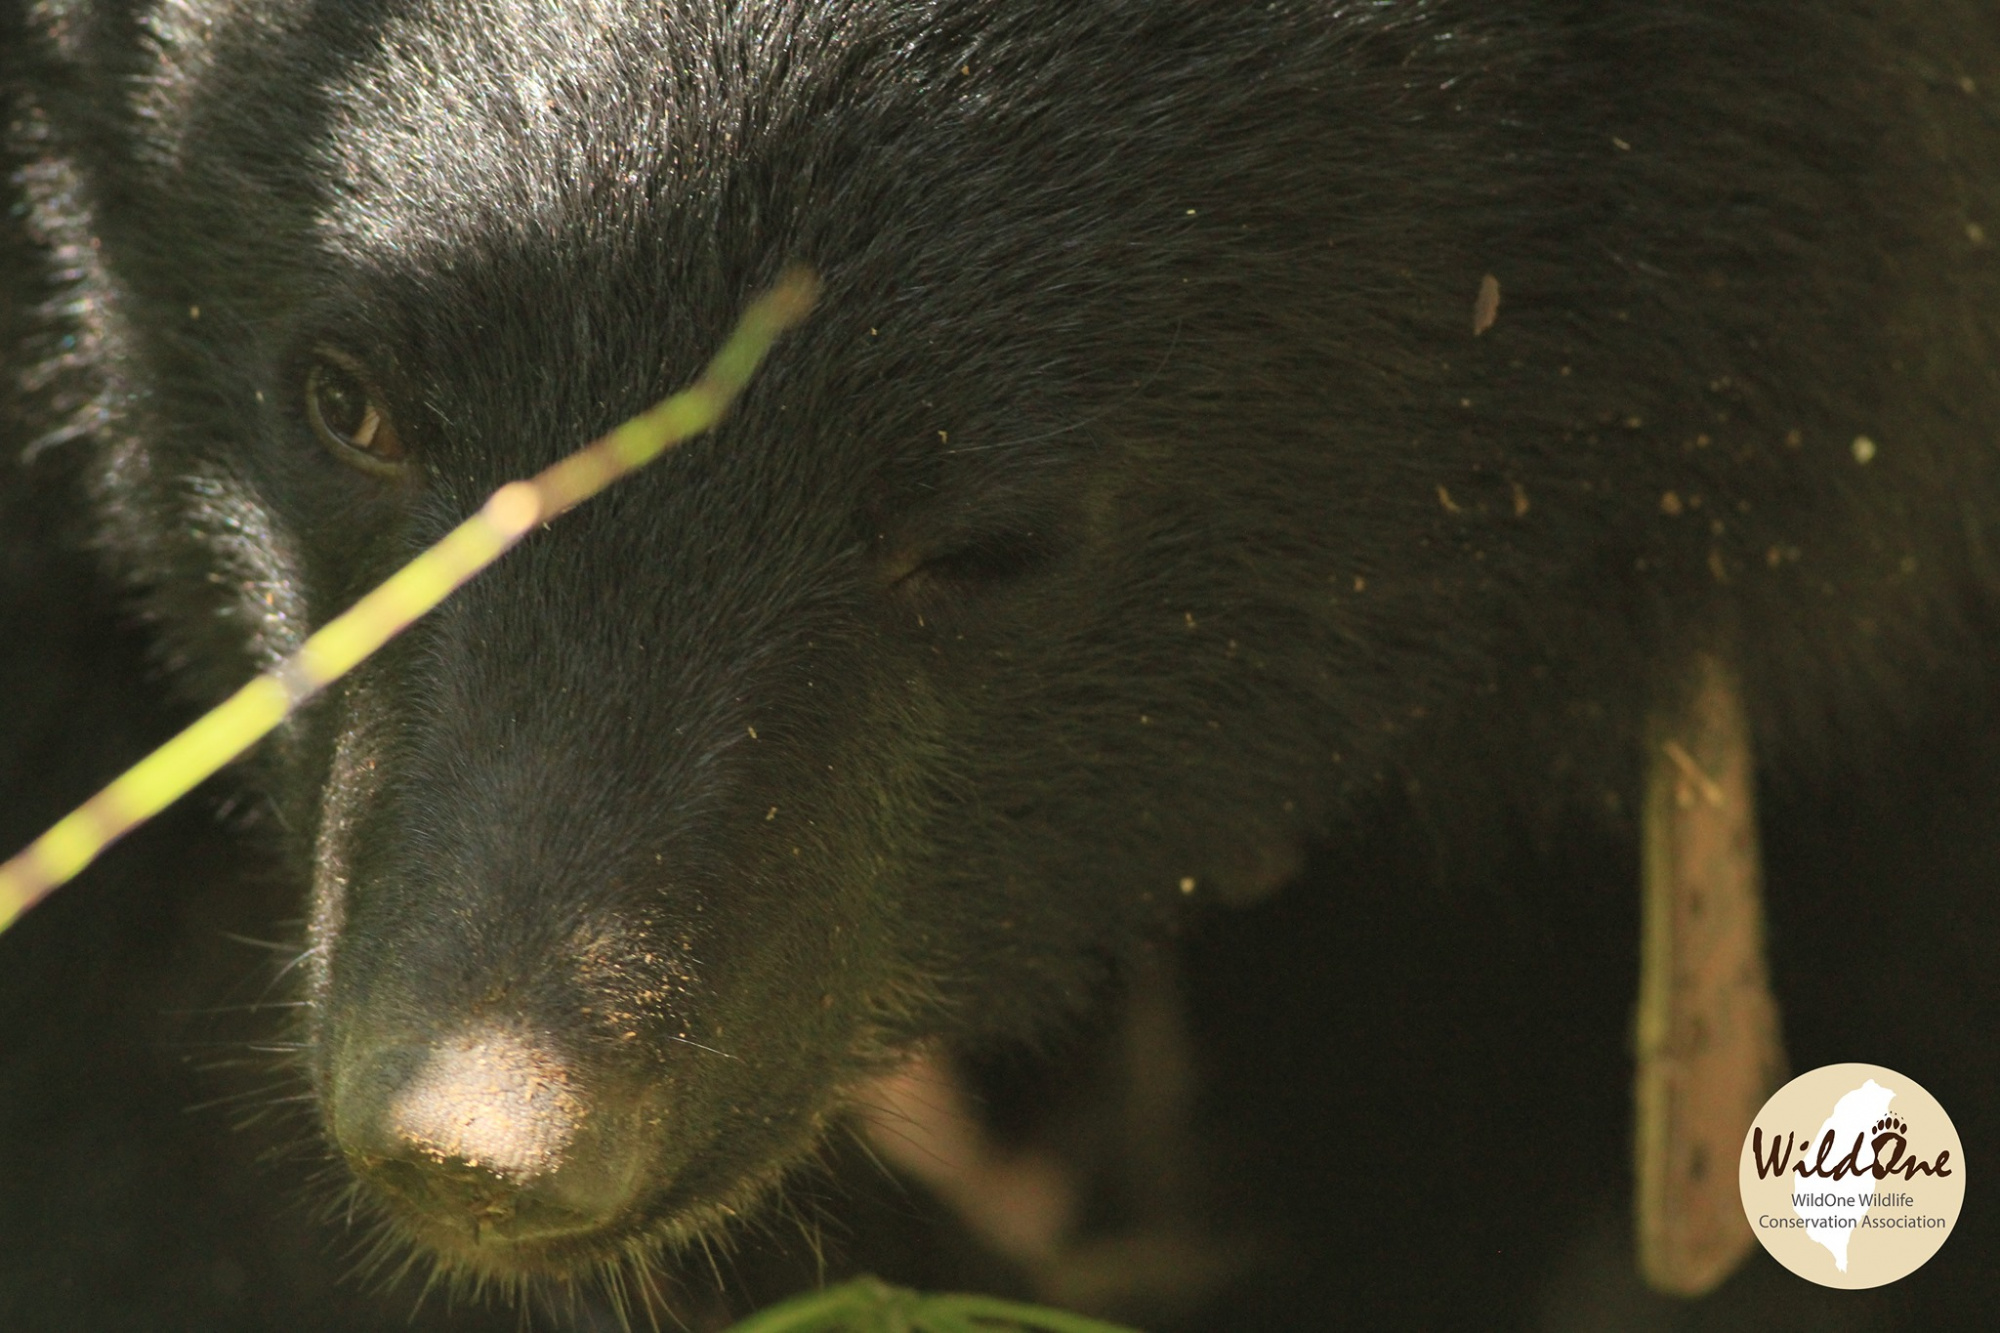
(454, 79)
(448, 116)
(516, 118)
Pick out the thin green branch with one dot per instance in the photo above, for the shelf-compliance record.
(509, 514)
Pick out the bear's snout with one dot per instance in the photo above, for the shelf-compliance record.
(488, 1137)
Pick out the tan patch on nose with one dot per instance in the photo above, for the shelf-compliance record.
(491, 1099)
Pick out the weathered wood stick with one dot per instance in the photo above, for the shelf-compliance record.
(1708, 1042)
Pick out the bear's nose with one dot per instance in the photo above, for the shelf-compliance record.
(488, 1135)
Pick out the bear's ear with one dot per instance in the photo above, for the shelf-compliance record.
(350, 417)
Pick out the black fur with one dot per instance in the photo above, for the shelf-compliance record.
(1137, 509)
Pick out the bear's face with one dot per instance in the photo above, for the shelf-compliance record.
(635, 859)
(885, 713)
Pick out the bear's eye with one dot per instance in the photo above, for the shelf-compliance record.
(991, 559)
(967, 567)
(349, 419)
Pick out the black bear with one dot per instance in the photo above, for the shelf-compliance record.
(1235, 442)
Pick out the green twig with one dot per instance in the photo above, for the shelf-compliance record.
(509, 514)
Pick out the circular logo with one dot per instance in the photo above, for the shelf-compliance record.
(1852, 1176)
